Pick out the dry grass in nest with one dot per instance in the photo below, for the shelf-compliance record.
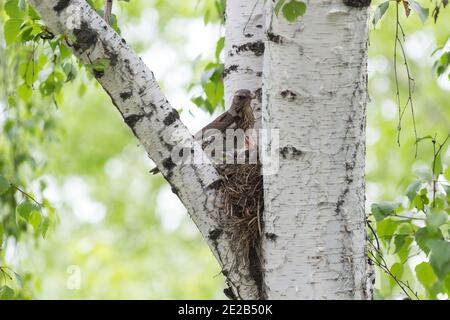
(243, 203)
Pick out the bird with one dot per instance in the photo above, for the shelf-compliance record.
(107, 11)
(239, 116)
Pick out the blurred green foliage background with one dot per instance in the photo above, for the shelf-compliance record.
(122, 230)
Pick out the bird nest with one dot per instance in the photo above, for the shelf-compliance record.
(243, 208)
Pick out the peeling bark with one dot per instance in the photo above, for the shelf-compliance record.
(315, 94)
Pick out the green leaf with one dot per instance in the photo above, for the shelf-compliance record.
(219, 47)
(386, 229)
(397, 270)
(384, 209)
(439, 257)
(425, 174)
(447, 284)
(25, 92)
(25, 208)
(436, 218)
(421, 11)
(32, 14)
(12, 30)
(425, 234)
(45, 226)
(64, 51)
(421, 199)
(379, 12)
(294, 9)
(445, 59)
(13, 10)
(206, 75)
(4, 185)
(405, 228)
(402, 245)
(6, 293)
(214, 91)
(70, 71)
(425, 274)
(399, 241)
(412, 189)
(35, 220)
(206, 17)
(19, 279)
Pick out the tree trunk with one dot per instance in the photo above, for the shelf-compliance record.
(315, 95)
(244, 50)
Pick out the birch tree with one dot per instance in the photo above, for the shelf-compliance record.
(315, 95)
(309, 78)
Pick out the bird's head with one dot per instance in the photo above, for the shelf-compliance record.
(241, 101)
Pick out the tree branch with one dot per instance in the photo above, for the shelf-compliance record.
(137, 96)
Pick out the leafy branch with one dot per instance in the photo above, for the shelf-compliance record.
(421, 229)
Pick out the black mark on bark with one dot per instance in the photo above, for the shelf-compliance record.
(215, 185)
(113, 56)
(131, 120)
(341, 201)
(289, 95)
(274, 38)
(230, 294)
(128, 66)
(230, 69)
(86, 37)
(98, 74)
(357, 3)
(271, 236)
(61, 5)
(256, 47)
(171, 118)
(168, 164)
(175, 190)
(290, 152)
(215, 234)
(258, 94)
(126, 95)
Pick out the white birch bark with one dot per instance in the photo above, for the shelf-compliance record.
(244, 50)
(315, 94)
(137, 96)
